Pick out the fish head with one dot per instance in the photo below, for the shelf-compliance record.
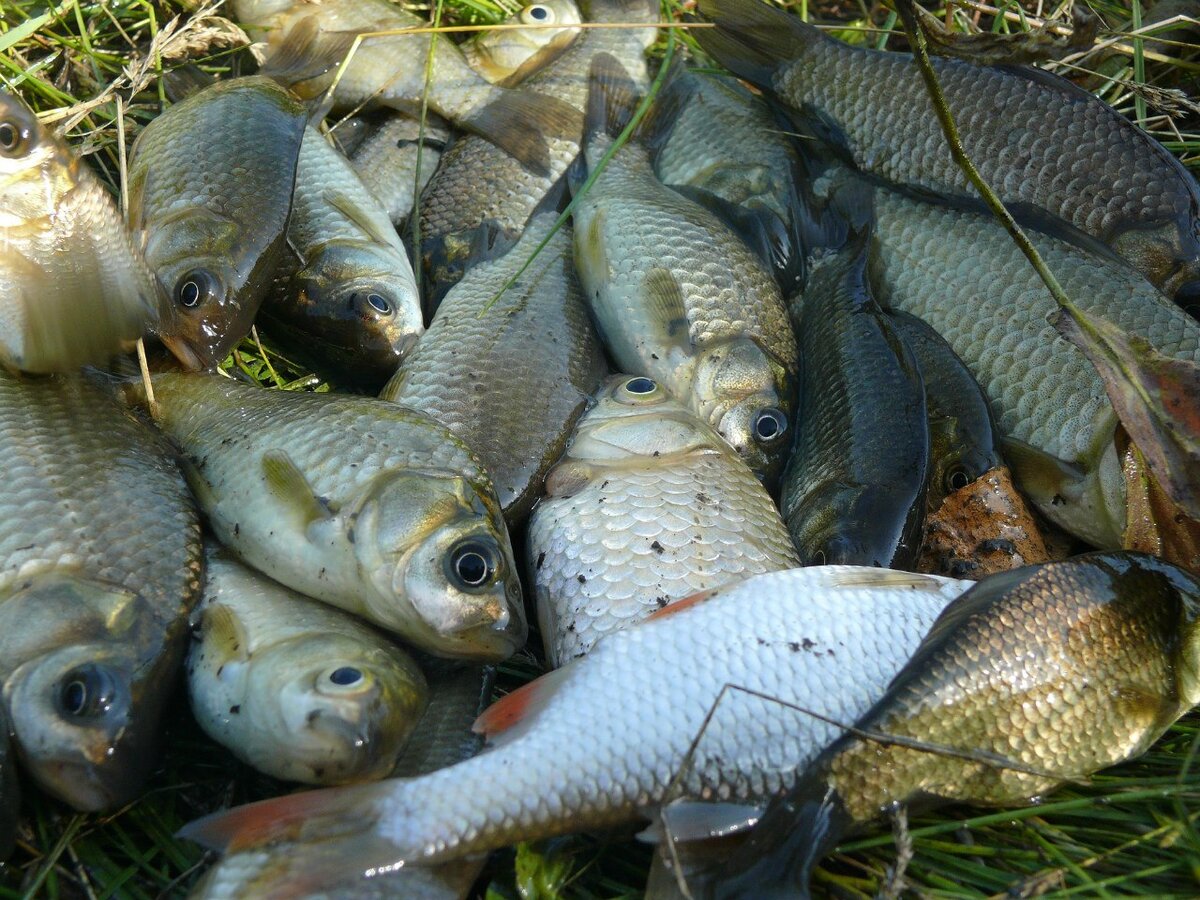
(35, 169)
(507, 56)
(1169, 256)
(436, 549)
(745, 395)
(342, 710)
(956, 458)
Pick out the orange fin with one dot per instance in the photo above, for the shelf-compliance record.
(679, 605)
(521, 705)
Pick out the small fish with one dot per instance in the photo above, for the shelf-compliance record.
(648, 505)
(1058, 156)
(675, 294)
(1040, 675)
(293, 687)
(387, 162)
(73, 289)
(826, 638)
(345, 295)
(309, 42)
(509, 378)
(363, 504)
(210, 187)
(509, 56)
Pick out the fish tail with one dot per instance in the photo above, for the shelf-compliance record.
(753, 39)
(522, 124)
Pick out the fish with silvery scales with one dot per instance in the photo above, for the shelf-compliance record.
(647, 505)
(386, 161)
(1034, 677)
(825, 638)
(675, 294)
(1059, 157)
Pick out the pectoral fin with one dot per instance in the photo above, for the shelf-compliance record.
(292, 489)
(224, 635)
(1043, 477)
(352, 211)
(666, 308)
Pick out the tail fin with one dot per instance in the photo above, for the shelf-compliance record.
(520, 123)
(753, 39)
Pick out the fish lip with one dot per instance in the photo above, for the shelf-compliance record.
(184, 352)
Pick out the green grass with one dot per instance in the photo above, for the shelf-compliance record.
(96, 68)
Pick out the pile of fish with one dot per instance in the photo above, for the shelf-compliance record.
(741, 395)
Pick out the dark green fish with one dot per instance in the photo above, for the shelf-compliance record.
(1054, 152)
(1034, 677)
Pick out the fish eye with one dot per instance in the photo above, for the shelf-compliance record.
(956, 478)
(537, 14)
(769, 425)
(379, 303)
(472, 564)
(345, 675)
(87, 692)
(196, 287)
(344, 680)
(14, 137)
(1188, 296)
(640, 386)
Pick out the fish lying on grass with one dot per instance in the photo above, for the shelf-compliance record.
(73, 289)
(293, 687)
(386, 161)
(647, 505)
(1034, 677)
(510, 55)
(675, 294)
(1057, 155)
(210, 188)
(588, 746)
(360, 503)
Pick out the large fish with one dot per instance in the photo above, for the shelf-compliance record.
(647, 506)
(1040, 675)
(510, 377)
(1053, 151)
(479, 183)
(363, 504)
(293, 687)
(345, 295)
(73, 289)
(676, 295)
(210, 187)
(386, 161)
(509, 55)
(601, 741)
(99, 569)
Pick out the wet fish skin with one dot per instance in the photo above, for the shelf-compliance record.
(510, 380)
(647, 506)
(962, 440)
(362, 504)
(344, 292)
(293, 687)
(1064, 668)
(210, 188)
(771, 633)
(387, 162)
(99, 570)
(478, 184)
(1071, 157)
(73, 288)
(507, 57)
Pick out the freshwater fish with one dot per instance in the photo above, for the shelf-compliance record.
(1040, 675)
(293, 687)
(479, 185)
(210, 187)
(99, 569)
(73, 289)
(507, 57)
(344, 292)
(676, 295)
(386, 162)
(828, 639)
(363, 504)
(648, 505)
(1058, 156)
(510, 378)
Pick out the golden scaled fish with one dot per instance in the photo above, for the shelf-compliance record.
(73, 289)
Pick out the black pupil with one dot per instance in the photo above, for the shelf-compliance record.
(9, 135)
(74, 697)
(472, 567)
(538, 12)
(345, 675)
(189, 294)
(640, 386)
(378, 303)
(768, 425)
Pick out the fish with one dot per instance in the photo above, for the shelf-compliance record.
(1059, 157)
(344, 293)
(962, 440)
(75, 289)
(1032, 678)
(479, 186)
(676, 295)
(510, 378)
(386, 162)
(827, 639)
(100, 566)
(365, 505)
(728, 149)
(295, 688)
(10, 791)
(1055, 422)
(210, 188)
(853, 492)
(510, 55)
(308, 44)
(647, 506)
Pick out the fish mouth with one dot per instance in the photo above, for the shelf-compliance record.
(184, 352)
(80, 786)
